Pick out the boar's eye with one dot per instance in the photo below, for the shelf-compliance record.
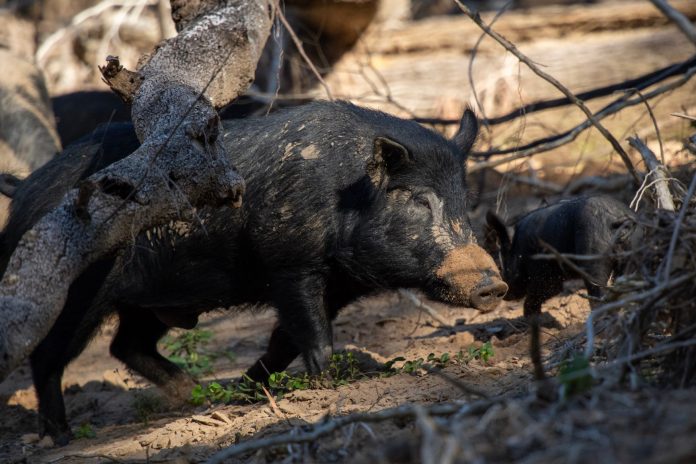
(422, 201)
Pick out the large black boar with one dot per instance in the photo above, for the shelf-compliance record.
(581, 226)
(341, 202)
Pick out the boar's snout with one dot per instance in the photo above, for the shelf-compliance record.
(486, 297)
(470, 277)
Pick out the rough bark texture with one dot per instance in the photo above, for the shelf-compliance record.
(180, 165)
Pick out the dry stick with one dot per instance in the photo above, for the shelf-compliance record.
(613, 107)
(684, 116)
(677, 226)
(655, 125)
(642, 296)
(470, 70)
(639, 83)
(300, 48)
(549, 143)
(553, 81)
(678, 18)
(664, 198)
(428, 309)
(332, 424)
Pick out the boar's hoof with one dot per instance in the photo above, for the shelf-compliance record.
(317, 359)
(487, 298)
(61, 435)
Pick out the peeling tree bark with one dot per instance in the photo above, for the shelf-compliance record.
(180, 165)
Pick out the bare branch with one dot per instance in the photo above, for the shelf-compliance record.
(408, 411)
(549, 143)
(550, 79)
(678, 18)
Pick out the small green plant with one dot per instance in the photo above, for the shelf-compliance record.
(145, 405)
(187, 350)
(574, 376)
(343, 369)
(85, 431)
(484, 353)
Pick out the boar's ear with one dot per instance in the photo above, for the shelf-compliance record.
(467, 133)
(495, 230)
(387, 156)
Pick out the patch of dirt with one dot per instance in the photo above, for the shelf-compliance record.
(101, 392)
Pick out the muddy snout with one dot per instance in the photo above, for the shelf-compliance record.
(471, 278)
(488, 294)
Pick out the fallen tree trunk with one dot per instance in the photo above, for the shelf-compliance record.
(181, 164)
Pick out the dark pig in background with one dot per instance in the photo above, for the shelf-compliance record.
(341, 202)
(596, 227)
(80, 113)
(593, 226)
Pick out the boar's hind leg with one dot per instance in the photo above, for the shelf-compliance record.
(135, 344)
(67, 339)
(281, 351)
(302, 315)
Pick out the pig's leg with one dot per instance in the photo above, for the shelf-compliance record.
(302, 316)
(68, 337)
(532, 312)
(135, 344)
(280, 353)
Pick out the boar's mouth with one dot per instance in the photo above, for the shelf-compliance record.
(468, 276)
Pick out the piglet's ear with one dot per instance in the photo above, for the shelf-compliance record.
(388, 155)
(495, 230)
(468, 131)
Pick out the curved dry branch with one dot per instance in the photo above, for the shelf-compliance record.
(551, 80)
(554, 141)
(179, 166)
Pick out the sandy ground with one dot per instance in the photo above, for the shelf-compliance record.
(101, 392)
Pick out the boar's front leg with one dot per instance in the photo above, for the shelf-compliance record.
(280, 353)
(303, 318)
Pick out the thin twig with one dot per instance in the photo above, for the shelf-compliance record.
(421, 305)
(678, 18)
(470, 70)
(549, 143)
(553, 81)
(300, 48)
(655, 125)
